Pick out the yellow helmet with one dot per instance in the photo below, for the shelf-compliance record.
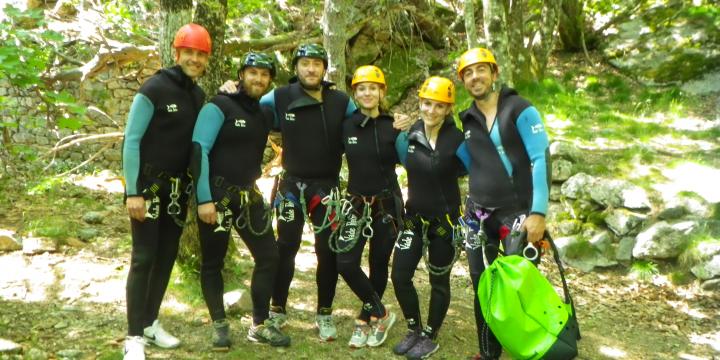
(439, 89)
(368, 73)
(474, 56)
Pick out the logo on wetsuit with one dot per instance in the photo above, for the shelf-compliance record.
(467, 134)
(352, 140)
(171, 108)
(537, 128)
(289, 116)
(239, 122)
(411, 149)
(405, 240)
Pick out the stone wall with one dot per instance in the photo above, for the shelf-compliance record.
(110, 92)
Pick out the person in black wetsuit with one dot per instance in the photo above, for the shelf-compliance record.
(229, 142)
(156, 151)
(309, 114)
(431, 153)
(509, 173)
(375, 199)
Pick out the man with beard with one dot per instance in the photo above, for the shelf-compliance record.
(509, 171)
(228, 145)
(309, 114)
(155, 160)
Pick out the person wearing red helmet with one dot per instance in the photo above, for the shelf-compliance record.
(156, 153)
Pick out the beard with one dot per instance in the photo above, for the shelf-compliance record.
(253, 90)
(307, 86)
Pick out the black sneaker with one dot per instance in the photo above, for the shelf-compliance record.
(268, 334)
(221, 338)
(410, 339)
(422, 349)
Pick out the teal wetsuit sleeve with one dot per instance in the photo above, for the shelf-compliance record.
(401, 146)
(268, 101)
(141, 112)
(532, 132)
(207, 127)
(350, 108)
(464, 155)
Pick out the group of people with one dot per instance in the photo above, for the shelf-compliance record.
(177, 146)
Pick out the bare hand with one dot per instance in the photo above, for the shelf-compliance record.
(402, 121)
(535, 227)
(230, 87)
(136, 207)
(206, 213)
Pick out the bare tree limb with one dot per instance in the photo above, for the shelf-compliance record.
(104, 137)
(93, 157)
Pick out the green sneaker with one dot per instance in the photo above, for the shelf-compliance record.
(360, 335)
(380, 329)
(221, 337)
(326, 327)
(268, 334)
(278, 319)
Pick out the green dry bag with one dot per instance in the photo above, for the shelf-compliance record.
(525, 313)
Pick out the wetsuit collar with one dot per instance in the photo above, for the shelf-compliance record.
(242, 98)
(361, 120)
(176, 74)
(417, 132)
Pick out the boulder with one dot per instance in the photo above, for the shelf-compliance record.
(624, 222)
(707, 269)
(581, 254)
(624, 249)
(565, 150)
(663, 240)
(93, 217)
(619, 193)
(9, 347)
(561, 170)
(8, 241)
(577, 186)
(37, 245)
(711, 285)
(238, 301)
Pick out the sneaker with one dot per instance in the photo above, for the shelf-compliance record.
(326, 327)
(268, 334)
(277, 319)
(380, 328)
(410, 339)
(134, 348)
(360, 335)
(157, 336)
(221, 337)
(422, 349)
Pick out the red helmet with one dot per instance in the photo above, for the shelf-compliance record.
(193, 36)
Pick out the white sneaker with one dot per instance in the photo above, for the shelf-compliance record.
(326, 327)
(157, 336)
(134, 348)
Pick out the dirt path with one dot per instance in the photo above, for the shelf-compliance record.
(71, 305)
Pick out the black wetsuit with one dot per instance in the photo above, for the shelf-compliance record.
(156, 151)
(312, 154)
(432, 208)
(230, 137)
(371, 157)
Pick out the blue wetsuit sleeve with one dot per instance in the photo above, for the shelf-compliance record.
(141, 112)
(464, 155)
(268, 101)
(401, 146)
(350, 108)
(532, 132)
(207, 127)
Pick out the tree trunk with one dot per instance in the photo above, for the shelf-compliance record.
(211, 14)
(336, 15)
(496, 34)
(470, 27)
(517, 34)
(572, 21)
(546, 41)
(175, 13)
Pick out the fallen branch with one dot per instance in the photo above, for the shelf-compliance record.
(107, 146)
(108, 136)
(118, 53)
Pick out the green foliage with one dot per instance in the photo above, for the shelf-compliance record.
(27, 49)
(643, 271)
(129, 15)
